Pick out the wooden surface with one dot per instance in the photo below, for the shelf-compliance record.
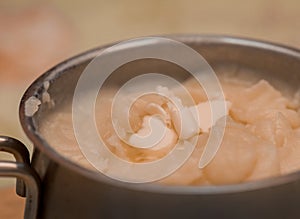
(98, 22)
(11, 205)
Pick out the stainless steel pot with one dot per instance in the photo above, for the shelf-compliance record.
(55, 187)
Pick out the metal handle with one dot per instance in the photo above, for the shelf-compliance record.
(28, 182)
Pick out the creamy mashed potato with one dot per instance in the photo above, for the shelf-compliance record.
(262, 133)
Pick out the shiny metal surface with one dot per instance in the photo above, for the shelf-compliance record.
(28, 182)
(71, 191)
(21, 155)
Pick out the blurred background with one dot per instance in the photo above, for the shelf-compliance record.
(35, 35)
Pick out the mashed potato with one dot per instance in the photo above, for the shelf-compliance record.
(262, 133)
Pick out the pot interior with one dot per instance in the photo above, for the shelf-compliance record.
(280, 66)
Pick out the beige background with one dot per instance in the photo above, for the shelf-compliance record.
(101, 21)
(97, 22)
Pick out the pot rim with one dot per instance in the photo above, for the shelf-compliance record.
(28, 126)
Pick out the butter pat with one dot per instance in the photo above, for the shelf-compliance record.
(204, 115)
(153, 135)
(184, 122)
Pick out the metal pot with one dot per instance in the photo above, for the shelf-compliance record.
(55, 187)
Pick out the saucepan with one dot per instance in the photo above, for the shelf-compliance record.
(56, 187)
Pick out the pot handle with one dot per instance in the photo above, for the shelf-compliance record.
(28, 182)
